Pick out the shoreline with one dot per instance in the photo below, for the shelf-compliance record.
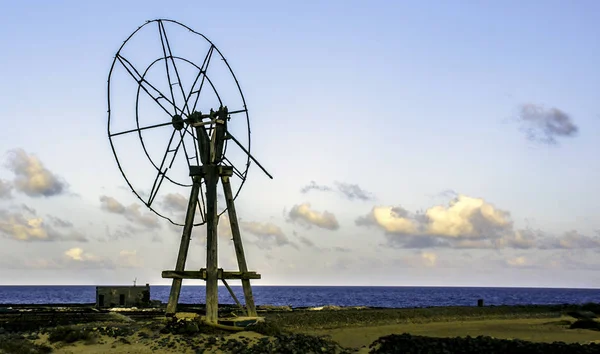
(269, 306)
(319, 286)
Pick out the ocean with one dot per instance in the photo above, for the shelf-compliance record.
(311, 296)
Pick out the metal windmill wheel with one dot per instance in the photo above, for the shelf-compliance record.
(188, 129)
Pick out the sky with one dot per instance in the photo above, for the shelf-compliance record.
(412, 143)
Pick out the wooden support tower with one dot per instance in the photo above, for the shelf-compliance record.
(211, 154)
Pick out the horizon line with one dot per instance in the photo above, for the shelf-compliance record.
(322, 285)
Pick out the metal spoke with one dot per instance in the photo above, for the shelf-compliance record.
(160, 172)
(155, 187)
(139, 129)
(193, 134)
(201, 71)
(202, 206)
(162, 178)
(207, 61)
(164, 34)
(214, 90)
(181, 142)
(182, 135)
(139, 79)
(167, 68)
(248, 153)
(238, 111)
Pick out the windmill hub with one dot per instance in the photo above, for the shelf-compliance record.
(177, 122)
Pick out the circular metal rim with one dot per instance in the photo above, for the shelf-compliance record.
(248, 161)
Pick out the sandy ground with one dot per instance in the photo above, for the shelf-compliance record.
(105, 344)
(355, 338)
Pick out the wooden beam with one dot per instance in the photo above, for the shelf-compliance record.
(184, 246)
(233, 295)
(212, 281)
(222, 171)
(239, 248)
(202, 274)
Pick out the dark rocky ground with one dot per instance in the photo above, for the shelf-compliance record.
(20, 330)
(405, 343)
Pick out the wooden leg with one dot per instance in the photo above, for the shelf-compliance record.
(237, 243)
(212, 281)
(233, 295)
(184, 246)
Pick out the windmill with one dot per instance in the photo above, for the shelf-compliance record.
(191, 133)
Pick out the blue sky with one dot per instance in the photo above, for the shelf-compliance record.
(397, 133)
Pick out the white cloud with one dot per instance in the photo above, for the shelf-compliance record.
(304, 215)
(131, 212)
(520, 261)
(421, 259)
(268, 234)
(465, 222)
(175, 202)
(571, 240)
(392, 220)
(77, 254)
(32, 177)
(429, 258)
(129, 259)
(464, 217)
(349, 191)
(23, 227)
(5, 189)
(111, 205)
(224, 227)
(522, 239)
(79, 258)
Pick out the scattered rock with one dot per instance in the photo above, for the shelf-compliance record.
(68, 334)
(16, 344)
(406, 343)
(592, 307)
(582, 315)
(586, 324)
(283, 343)
(124, 340)
(115, 332)
(191, 327)
(273, 308)
(326, 308)
(266, 328)
(115, 316)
